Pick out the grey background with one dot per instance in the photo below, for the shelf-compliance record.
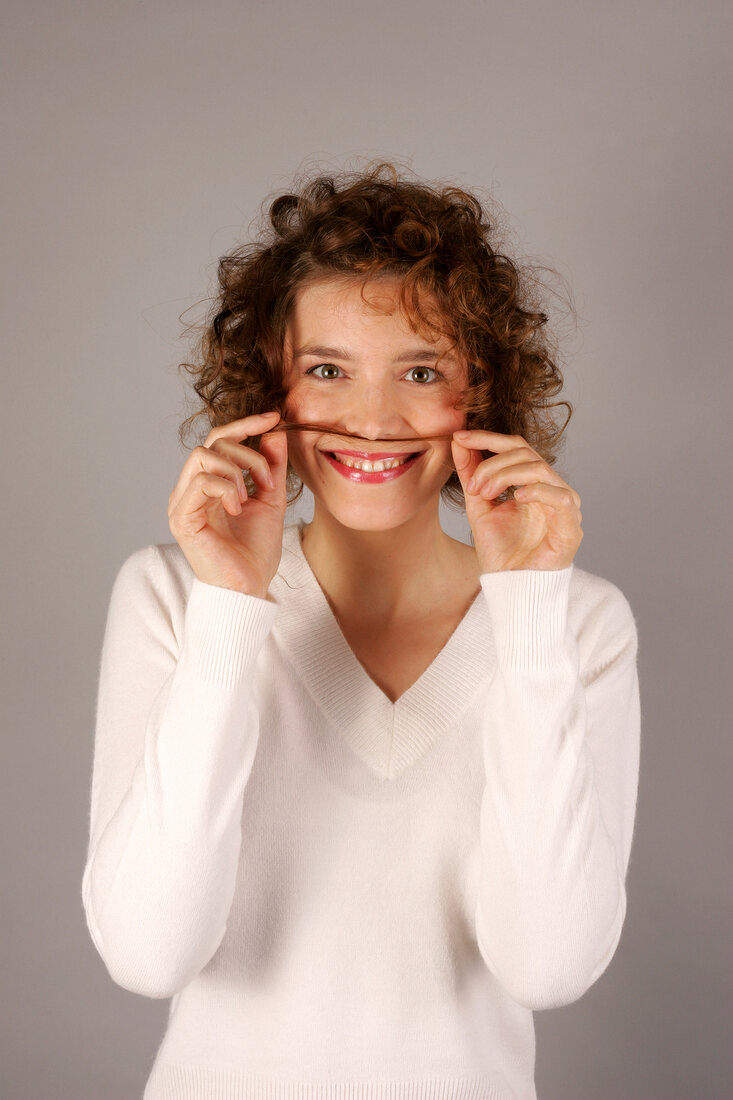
(141, 139)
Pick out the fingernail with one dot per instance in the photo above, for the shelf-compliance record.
(471, 485)
(461, 435)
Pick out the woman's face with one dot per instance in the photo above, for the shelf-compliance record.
(367, 373)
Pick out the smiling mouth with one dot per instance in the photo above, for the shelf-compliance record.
(372, 462)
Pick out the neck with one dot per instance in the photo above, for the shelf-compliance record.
(387, 576)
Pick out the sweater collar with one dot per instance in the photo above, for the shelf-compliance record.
(388, 737)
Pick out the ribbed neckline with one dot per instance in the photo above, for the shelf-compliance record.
(388, 737)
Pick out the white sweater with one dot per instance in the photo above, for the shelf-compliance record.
(348, 898)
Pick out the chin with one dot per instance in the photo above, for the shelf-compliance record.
(370, 508)
(372, 516)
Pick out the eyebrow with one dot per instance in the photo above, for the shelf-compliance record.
(423, 355)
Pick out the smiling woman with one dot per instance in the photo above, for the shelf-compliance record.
(363, 795)
(440, 248)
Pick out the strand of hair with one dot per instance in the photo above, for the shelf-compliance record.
(292, 426)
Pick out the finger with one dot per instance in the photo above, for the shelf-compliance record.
(491, 467)
(554, 496)
(489, 441)
(244, 427)
(191, 512)
(246, 459)
(208, 460)
(466, 463)
(275, 448)
(516, 473)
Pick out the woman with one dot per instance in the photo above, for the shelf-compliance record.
(363, 796)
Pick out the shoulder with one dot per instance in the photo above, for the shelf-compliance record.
(601, 618)
(158, 564)
(152, 586)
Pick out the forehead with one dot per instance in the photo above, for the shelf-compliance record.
(344, 303)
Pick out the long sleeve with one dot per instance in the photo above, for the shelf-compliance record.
(176, 734)
(561, 751)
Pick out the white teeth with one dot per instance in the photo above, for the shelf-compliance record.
(370, 467)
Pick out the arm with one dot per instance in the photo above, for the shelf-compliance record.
(561, 750)
(176, 735)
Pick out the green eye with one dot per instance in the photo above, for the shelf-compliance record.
(328, 366)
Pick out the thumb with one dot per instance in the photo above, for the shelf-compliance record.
(274, 446)
(466, 462)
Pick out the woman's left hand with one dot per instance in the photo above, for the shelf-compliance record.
(540, 528)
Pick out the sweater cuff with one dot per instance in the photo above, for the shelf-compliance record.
(529, 615)
(224, 631)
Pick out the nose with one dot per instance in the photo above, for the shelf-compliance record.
(372, 412)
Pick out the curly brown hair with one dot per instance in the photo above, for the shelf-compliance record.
(367, 224)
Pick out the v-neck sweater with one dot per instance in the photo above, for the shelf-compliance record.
(345, 897)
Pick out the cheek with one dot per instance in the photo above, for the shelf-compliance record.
(290, 405)
(445, 418)
(301, 406)
(452, 414)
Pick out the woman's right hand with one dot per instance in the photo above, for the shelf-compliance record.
(229, 538)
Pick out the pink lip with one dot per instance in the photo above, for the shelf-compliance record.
(371, 477)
